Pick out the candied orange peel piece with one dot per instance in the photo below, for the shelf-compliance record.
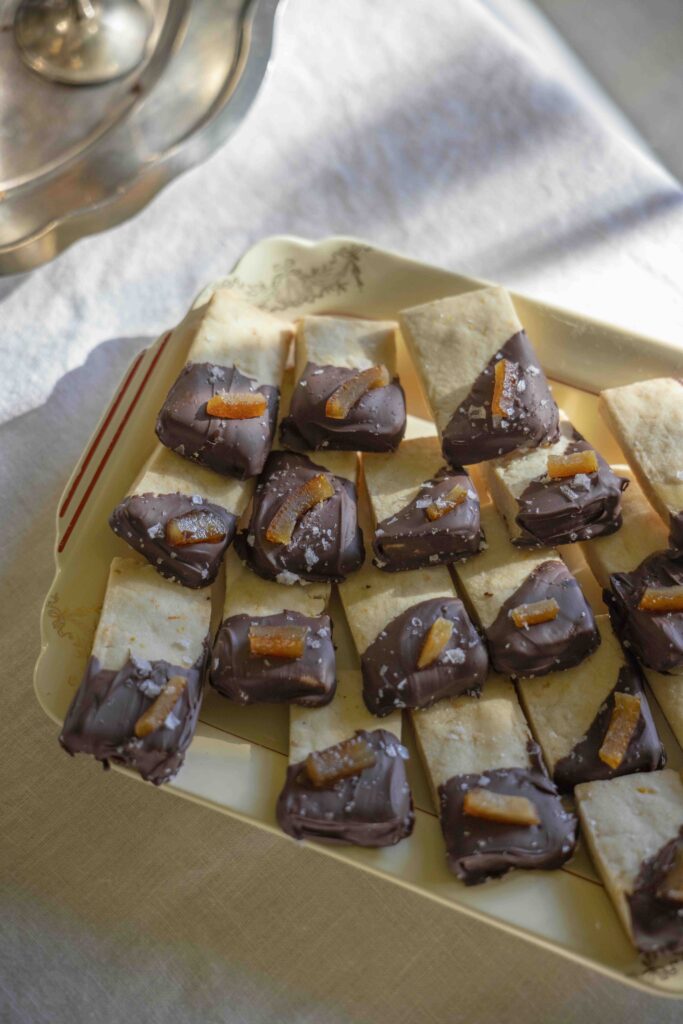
(562, 466)
(342, 400)
(200, 527)
(504, 381)
(446, 503)
(237, 405)
(350, 757)
(661, 599)
(622, 725)
(438, 635)
(671, 887)
(157, 713)
(538, 611)
(511, 810)
(277, 641)
(296, 504)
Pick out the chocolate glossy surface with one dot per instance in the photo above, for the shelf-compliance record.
(141, 521)
(327, 543)
(474, 434)
(236, 448)
(391, 678)
(656, 638)
(656, 920)
(102, 716)
(410, 540)
(374, 808)
(376, 423)
(247, 679)
(547, 646)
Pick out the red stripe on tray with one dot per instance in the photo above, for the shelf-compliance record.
(112, 444)
(100, 433)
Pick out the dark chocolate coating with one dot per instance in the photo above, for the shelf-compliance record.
(655, 638)
(577, 508)
(644, 753)
(376, 423)
(478, 849)
(246, 679)
(657, 921)
(474, 435)
(102, 715)
(391, 678)
(236, 448)
(409, 540)
(327, 543)
(141, 521)
(676, 529)
(548, 646)
(374, 808)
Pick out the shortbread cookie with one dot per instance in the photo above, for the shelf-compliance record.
(222, 410)
(532, 610)
(471, 746)
(275, 643)
(304, 520)
(140, 696)
(556, 495)
(415, 640)
(583, 727)
(641, 536)
(487, 391)
(634, 829)
(424, 513)
(347, 395)
(647, 420)
(181, 517)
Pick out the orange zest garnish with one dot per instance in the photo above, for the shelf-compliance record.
(562, 466)
(237, 405)
(661, 599)
(672, 883)
(622, 725)
(350, 757)
(199, 527)
(157, 713)
(343, 399)
(438, 635)
(446, 503)
(296, 504)
(277, 641)
(538, 611)
(512, 810)
(505, 379)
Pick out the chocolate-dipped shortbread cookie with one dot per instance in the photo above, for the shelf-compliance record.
(275, 643)
(557, 495)
(593, 721)
(497, 806)
(532, 610)
(139, 699)
(354, 792)
(347, 396)
(304, 520)
(634, 830)
(647, 420)
(488, 393)
(222, 409)
(646, 606)
(424, 513)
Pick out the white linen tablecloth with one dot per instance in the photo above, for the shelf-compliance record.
(423, 127)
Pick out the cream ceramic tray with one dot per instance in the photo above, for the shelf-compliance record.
(236, 763)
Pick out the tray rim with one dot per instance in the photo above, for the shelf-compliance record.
(143, 364)
(257, 25)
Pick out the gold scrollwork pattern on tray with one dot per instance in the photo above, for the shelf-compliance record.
(73, 624)
(290, 285)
